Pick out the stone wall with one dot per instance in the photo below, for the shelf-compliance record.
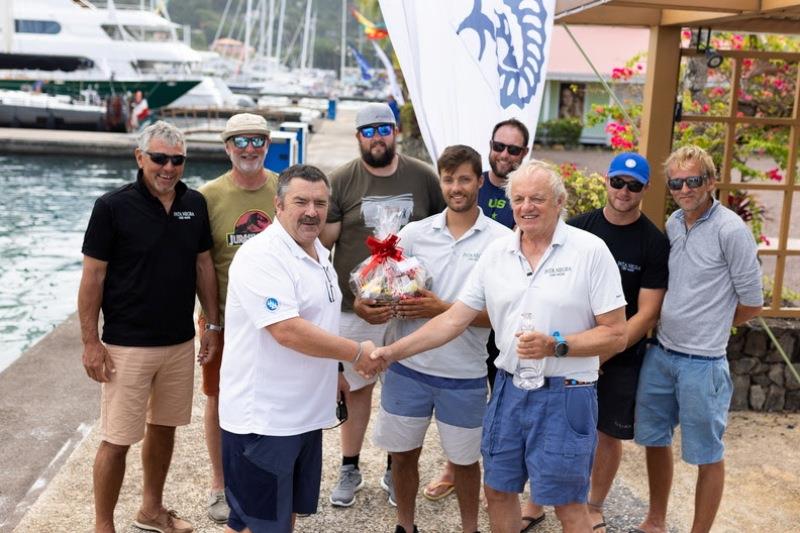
(761, 379)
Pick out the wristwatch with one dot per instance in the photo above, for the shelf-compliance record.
(562, 348)
(213, 327)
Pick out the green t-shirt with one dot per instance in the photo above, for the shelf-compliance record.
(236, 215)
(413, 181)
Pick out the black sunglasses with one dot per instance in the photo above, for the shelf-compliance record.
(161, 159)
(618, 183)
(384, 130)
(676, 184)
(241, 142)
(513, 149)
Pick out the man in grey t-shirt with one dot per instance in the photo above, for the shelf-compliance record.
(714, 283)
(379, 176)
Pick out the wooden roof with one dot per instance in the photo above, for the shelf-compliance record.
(771, 16)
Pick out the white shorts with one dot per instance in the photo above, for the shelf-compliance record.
(356, 328)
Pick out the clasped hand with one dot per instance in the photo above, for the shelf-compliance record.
(367, 365)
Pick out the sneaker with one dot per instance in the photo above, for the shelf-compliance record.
(217, 506)
(350, 482)
(164, 522)
(387, 484)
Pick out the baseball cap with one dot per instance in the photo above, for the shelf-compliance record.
(630, 164)
(374, 114)
(245, 123)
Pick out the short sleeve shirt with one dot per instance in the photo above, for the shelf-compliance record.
(492, 199)
(414, 183)
(150, 285)
(265, 387)
(576, 279)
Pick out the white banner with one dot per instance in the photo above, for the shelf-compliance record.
(469, 65)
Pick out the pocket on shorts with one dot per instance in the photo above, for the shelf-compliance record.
(721, 383)
(572, 431)
(491, 424)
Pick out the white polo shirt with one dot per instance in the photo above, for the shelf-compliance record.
(449, 262)
(266, 388)
(576, 279)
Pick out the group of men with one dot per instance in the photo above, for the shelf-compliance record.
(254, 248)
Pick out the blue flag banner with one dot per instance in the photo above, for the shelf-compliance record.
(363, 65)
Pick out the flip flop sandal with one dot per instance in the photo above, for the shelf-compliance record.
(600, 525)
(430, 490)
(532, 522)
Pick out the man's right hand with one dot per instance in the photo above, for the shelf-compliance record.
(371, 311)
(97, 362)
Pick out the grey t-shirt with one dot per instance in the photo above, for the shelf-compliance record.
(713, 267)
(413, 181)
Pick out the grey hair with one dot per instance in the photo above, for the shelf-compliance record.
(304, 172)
(164, 131)
(533, 166)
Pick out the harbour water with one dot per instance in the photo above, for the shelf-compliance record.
(45, 204)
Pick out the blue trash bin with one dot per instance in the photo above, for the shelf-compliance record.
(331, 109)
(300, 129)
(282, 151)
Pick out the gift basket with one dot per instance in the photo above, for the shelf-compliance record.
(387, 275)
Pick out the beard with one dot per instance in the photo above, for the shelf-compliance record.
(380, 161)
(494, 164)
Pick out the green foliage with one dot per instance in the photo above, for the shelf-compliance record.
(789, 298)
(565, 131)
(408, 121)
(585, 191)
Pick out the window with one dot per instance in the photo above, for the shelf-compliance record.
(37, 26)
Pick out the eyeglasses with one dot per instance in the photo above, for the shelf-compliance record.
(384, 130)
(513, 149)
(161, 159)
(618, 183)
(676, 184)
(241, 142)
(331, 290)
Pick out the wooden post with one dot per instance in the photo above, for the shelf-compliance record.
(660, 90)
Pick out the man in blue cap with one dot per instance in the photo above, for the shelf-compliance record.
(642, 253)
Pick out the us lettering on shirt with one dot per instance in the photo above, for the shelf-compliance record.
(183, 215)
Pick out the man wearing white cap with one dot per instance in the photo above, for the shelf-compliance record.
(240, 205)
(379, 175)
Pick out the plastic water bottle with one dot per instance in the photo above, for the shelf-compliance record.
(530, 372)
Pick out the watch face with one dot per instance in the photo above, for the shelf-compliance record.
(562, 348)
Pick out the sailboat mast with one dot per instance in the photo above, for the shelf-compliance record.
(247, 19)
(343, 44)
(270, 29)
(281, 18)
(306, 35)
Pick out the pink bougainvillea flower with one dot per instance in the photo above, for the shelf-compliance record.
(775, 175)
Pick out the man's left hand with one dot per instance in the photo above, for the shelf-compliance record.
(209, 347)
(535, 345)
(426, 306)
(366, 365)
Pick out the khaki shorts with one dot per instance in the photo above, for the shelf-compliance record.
(153, 384)
(211, 370)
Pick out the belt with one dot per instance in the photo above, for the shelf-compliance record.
(687, 355)
(567, 383)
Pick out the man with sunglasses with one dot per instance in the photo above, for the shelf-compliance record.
(146, 255)
(380, 175)
(240, 205)
(641, 251)
(714, 283)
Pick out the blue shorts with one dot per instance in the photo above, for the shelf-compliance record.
(692, 391)
(547, 435)
(269, 478)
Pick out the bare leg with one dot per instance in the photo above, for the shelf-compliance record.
(405, 472)
(108, 473)
(468, 488)
(708, 494)
(504, 514)
(214, 442)
(659, 479)
(606, 463)
(156, 457)
(359, 407)
(574, 518)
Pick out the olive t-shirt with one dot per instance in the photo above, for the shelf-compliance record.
(414, 182)
(235, 215)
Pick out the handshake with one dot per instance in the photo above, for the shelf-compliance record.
(372, 360)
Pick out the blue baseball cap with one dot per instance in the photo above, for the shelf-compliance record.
(630, 164)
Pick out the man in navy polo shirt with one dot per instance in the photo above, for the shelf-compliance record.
(146, 255)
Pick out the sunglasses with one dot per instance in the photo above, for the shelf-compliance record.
(161, 159)
(618, 183)
(241, 142)
(676, 184)
(384, 130)
(513, 149)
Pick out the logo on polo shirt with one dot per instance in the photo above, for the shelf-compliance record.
(471, 256)
(271, 303)
(628, 267)
(248, 225)
(558, 271)
(183, 215)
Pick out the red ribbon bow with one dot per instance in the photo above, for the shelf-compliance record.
(381, 250)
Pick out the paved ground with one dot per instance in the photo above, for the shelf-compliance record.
(47, 405)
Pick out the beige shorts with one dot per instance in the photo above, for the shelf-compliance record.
(153, 384)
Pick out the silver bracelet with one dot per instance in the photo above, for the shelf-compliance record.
(212, 327)
(358, 354)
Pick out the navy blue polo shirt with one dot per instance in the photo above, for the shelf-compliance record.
(494, 203)
(150, 284)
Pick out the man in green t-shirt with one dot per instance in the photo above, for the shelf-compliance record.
(240, 205)
(379, 176)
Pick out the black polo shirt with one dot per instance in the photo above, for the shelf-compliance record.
(149, 290)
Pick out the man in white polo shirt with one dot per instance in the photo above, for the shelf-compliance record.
(450, 380)
(279, 378)
(568, 280)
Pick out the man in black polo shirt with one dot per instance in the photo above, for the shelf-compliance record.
(146, 254)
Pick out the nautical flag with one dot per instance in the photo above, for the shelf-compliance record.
(397, 92)
(469, 65)
(371, 30)
(363, 65)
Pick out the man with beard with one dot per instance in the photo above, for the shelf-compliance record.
(641, 251)
(240, 205)
(449, 381)
(379, 176)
